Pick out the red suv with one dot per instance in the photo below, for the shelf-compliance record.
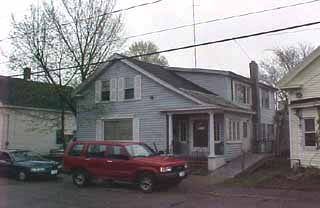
(133, 162)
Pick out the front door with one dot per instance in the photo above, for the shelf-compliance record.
(200, 135)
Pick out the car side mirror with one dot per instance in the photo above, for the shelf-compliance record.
(161, 152)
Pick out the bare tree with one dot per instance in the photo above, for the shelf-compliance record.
(282, 61)
(63, 39)
(145, 47)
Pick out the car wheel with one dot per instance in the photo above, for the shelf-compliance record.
(146, 183)
(80, 178)
(21, 175)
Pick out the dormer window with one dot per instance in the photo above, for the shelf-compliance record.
(265, 99)
(242, 93)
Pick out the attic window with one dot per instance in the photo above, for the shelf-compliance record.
(242, 93)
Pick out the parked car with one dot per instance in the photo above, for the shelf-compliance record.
(24, 164)
(128, 161)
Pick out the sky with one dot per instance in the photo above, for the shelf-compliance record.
(233, 56)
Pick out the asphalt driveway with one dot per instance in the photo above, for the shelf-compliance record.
(62, 193)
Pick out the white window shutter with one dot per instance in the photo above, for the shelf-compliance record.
(113, 90)
(121, 83)
(137, 87)
(99, 130)
(136, 129)
(98, 85)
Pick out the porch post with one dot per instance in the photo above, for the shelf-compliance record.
(170, 134)
(211, 135)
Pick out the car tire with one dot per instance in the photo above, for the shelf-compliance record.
(22, 175)
(80, 178)
(146, 183)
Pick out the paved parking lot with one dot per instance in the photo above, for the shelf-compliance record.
(63, 193)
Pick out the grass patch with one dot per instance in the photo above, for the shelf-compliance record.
(264, 175)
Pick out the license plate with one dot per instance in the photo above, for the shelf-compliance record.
(182, 174)
(54, 172)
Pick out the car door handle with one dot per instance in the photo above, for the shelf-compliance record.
(109, 161)
(87, 159)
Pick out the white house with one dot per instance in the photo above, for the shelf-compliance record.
(30, 116)
(303, 87)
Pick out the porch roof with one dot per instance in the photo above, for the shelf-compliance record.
(203, 109)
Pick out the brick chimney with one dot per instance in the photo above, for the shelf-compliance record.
(254, 76)
(27, 73)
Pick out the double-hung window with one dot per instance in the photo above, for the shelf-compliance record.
(234, 131)
(129, 88)
(105, 90)
(242, 93)
(309, 132)
(265, 99)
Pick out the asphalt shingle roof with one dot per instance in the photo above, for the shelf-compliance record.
(19, 92)
(169, 76)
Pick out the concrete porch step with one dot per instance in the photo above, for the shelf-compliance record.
(236, 166)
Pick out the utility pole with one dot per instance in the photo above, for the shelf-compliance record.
(194, 34)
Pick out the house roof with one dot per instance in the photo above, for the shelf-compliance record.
(169, 78)
(22, 93)
(283, 83)
(219, 72)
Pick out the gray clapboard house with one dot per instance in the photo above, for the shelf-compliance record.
(213, 113)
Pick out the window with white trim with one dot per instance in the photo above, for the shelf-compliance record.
(105, 90)
(182, 130)
(309, 132)
(265, 99)
(242, 93)
(129, 88)
(234, 131)
(245, 129)
(118, 129)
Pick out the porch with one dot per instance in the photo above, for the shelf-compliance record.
(198, 137)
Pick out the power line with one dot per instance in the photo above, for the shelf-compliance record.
(104, 14)
(189, 46)
(218, 19)
(204, 22)
(243, 50)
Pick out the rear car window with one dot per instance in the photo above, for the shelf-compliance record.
(76, 150)
(97, 150)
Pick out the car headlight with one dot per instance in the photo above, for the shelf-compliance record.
(185, 165)
(37, 169)
(165, 169)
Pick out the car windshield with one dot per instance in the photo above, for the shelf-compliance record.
(20, 156)
(139, 150)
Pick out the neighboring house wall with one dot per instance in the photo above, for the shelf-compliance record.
(152, 125)
(309, 79)
(307, 83)
(308, 156)
(33, 129)
(215, 83)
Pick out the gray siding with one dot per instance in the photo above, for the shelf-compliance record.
(154, 98)
(218, 84)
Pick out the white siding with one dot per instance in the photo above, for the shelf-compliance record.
(234, 149)
(310, 81)
(35, 130)
(309, 156)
